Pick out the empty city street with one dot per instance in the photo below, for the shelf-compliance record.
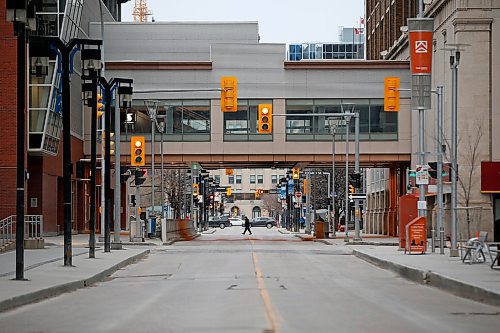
(267, 282)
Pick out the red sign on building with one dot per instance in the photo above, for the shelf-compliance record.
(490, 177)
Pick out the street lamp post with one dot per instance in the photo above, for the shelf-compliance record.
(454, 61)
(66, 52)
(334, 122)
(346, 210)
(108, 92)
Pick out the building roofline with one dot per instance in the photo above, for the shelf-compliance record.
(348, 64)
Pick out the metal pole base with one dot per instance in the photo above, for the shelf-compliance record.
(433, 244)
(441, 242)
(116, 246)
(454, 253)
(357, 239)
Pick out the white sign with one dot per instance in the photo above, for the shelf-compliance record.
(216, 196)
(421, 204)
(421, 46)
(422, 175)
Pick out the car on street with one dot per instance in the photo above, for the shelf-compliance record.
(219, 221)
(237, 221)
(263, 221)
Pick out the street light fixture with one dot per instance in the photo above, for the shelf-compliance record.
(333, 123)
(91, 64)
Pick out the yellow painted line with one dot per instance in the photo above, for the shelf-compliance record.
(271, 316)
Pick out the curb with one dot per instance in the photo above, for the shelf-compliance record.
(50, 292)
(372, 243)
(434, 279)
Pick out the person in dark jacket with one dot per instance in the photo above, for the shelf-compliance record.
(247, 226)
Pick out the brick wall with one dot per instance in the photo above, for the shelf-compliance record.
(8, 110)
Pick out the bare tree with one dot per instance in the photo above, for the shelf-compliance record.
(469, 157)
(271, 204)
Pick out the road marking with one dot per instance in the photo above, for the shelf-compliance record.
(271, 317)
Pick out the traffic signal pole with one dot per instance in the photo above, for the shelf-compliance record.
(93, 163)
(21, 123)
(439, 92)
(357, 213)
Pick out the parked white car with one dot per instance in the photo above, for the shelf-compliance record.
(236, 221)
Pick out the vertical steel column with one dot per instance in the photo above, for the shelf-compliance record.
(152, 166)
(421, 156)
(21, 123)
(107, 167)
(67, 165)
(334, 208)
(117, 226)
(440, 168)
(93, 162)
(308, 202)
(161, 179)
(357, 234)
(454, 143)
(346, 210)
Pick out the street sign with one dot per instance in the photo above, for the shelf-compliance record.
(298, 195)
(357, 196)
(422, 175)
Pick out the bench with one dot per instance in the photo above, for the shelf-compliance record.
(476, 247)
(496, 252)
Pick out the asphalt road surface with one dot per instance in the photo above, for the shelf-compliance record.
(269, 282)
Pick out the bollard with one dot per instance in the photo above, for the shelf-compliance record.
(433, 245)
(441, 241)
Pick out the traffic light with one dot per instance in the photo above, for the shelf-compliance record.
(124, 174)
(228, 192)
(355, 179)
(137, 151)
(265, 120)
(391, 93)
(229, 94)
(295, 173)
(433, 170)
(351, 189)
(139, 176)
(229, 172)
(196, 189)
(100, 106)
(258, 192)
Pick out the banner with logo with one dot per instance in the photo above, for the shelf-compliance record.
(421, 52)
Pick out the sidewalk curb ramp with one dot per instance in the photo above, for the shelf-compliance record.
(50, 292)
(434, 279)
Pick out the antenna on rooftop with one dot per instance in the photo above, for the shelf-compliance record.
(141, 11)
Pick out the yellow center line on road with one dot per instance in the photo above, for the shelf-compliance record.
(271, 316)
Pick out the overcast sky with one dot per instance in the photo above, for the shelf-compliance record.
(289, 21)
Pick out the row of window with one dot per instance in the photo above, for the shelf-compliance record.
(189, 120)
(254, 179)
(297, 52)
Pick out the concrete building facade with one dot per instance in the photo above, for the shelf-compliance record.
(473, 24)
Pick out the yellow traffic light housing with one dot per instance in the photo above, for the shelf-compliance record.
(229, 172)
(351, 189)
(295, 173)
(229, 94)
(391, 93)
(228, 192)
(196, 189)
(100, 106)
(265, 119)
(137, 151)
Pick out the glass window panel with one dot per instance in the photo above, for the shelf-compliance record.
(238, 179)
(335, 48)
(381, 121)
(252, 179)
(195, 119)
(217, 179)
(230, 179)
(348, 48)
(260, 179)
(274, 179)
(39, 96)
(341, 47)
(37, 120)
(299, 124)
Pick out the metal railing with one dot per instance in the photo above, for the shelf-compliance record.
(7, 230)
(33, 228)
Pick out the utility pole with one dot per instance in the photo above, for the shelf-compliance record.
(439, 92)
(357, 234)
(346, 210)
(454, 61)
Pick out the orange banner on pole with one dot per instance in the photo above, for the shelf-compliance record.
(421, 52)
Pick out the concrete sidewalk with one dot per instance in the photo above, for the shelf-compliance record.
(46, 276)
(477, 281)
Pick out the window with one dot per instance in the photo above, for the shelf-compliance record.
(230, 179)
(238, 179)
(217, 179)
(242, 124)
(256, 212)
(252, 179)
(374, 123)
(274, 179)
(260, 179)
